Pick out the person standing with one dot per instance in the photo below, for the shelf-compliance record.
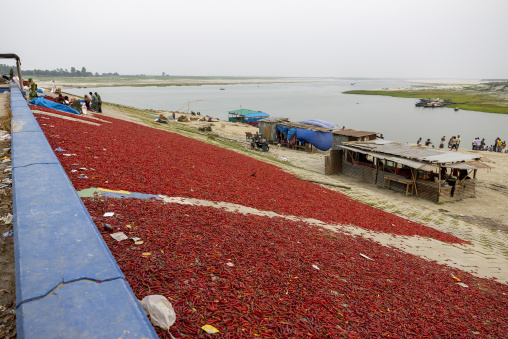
(454, 143)
(482, 144)
(99, 102)
(441, 144)
(94, 103)
(450, 142)
(457, 142)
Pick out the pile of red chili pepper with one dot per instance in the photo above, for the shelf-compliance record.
(128, 156)
(258, 276)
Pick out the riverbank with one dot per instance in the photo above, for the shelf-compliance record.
(160, 81)
(489, 97)
(478, 220)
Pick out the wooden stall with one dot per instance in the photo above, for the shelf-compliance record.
(421, 171)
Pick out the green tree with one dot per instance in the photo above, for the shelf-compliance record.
(73, 70)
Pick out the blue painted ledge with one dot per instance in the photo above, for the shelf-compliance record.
(68, 285)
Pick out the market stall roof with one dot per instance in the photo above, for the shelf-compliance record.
(352, 133)
(403, 161)
(419, 153)
(242, 111)
(416, 156)
(256, 114)
(303, 126)
(274, 119)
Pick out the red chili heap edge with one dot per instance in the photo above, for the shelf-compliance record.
(128, 156)
(258, 276)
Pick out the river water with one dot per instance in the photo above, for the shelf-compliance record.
(396, 118)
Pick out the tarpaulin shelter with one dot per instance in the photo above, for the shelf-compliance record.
(319, 123)
(254, 117)
(53, 105)
(317, 136)
(238, 115)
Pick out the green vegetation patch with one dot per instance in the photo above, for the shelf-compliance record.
(466, 99)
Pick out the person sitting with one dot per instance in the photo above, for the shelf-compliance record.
(66, 100)
(87, 100)
(431, 176)
(61, 99)
(428, 142)
(463, 175)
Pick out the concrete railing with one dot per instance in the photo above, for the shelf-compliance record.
(68, 285)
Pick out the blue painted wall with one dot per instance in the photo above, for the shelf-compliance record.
(68, 285)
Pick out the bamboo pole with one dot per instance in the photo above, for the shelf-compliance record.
(414, 180)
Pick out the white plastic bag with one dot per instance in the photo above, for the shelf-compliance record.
(160, 310)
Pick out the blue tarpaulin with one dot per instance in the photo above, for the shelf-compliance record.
(291, 133)
(254, 117)
(320, 140)
(316, 122)
(53, 105)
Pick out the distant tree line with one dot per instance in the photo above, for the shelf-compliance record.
(59, 72)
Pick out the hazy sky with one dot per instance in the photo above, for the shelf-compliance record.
(320, 38)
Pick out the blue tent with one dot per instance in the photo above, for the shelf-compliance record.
(320, 140)
(254, 117)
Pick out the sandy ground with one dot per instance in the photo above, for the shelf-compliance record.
(482, 220)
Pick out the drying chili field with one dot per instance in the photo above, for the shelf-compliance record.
(254, 276)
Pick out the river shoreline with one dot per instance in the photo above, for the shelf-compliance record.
(488, 97)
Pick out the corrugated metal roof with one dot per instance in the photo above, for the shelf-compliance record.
(412, 152)
(352, 133)
(274, 119)
(403, 161)
(469, 165)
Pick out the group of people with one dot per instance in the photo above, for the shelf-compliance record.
(498, 146)
(93, 102)
(74, 103)
(453, 143)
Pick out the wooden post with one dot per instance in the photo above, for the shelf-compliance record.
(377, 168)
(414, 180)
(474, 177)
(439, 185)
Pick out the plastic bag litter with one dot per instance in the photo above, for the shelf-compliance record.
(160, 310)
